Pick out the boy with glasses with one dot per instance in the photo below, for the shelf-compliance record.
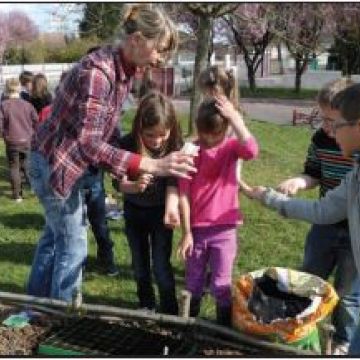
(341, 203)
(328, 246)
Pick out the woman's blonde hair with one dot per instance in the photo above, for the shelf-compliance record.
(153, 23)
(39, 86)
(12, 87)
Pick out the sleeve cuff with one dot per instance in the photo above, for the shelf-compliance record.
(134, 164)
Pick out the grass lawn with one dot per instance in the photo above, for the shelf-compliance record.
(264, 240)
(278, 93)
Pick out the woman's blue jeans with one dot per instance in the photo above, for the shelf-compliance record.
(61, 251)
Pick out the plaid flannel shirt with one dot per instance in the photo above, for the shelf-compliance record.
(83, 127)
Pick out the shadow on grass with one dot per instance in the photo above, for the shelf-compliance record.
(12, 288)
(17, 253)
(23, 221)
(125, 271)
(4, 169)
(111, 301)
(5, 191)
(90, 299)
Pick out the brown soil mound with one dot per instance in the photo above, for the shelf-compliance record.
(21, 341)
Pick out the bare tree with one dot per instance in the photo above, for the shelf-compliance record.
(346, 17)
(4, 35)
(253, 26)
(205, 14)
(304, 26)
(21, 31)
(21, 28)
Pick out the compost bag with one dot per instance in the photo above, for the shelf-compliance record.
(282, 305)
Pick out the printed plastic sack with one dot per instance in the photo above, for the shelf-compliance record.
(308, 296)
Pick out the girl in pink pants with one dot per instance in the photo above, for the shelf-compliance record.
(209, 203)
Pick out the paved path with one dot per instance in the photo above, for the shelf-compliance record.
(271, 110)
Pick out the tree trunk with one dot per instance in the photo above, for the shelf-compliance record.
(211, 46)
(202, 50)
(297, 82)
(346, 66)
(251, 79)
(280, 59)
(298, 73)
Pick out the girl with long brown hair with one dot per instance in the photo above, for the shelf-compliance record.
(155, 133)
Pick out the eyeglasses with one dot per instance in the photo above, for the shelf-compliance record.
(319, 120)
(332, 124)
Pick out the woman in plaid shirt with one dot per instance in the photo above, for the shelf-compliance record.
(83, 131)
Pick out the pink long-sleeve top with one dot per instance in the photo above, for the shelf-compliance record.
(213, 190)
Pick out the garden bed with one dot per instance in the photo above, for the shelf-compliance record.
(43, 331)
(101, 336)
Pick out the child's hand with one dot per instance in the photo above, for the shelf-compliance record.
(143, 182)
(247, 191)
(291, 186)
(227, 109)
(257, 192)
(252, 192)
(186, 246)
(172, 218)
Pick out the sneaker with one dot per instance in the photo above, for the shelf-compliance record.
(19, 200)
(147, 310)
(340, 349)
(114, 214)
(111, 270)
(106, 263)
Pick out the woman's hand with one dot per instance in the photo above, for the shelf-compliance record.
(186, 246)
(175, 164)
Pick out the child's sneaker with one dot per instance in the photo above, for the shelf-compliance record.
(114, 214)
(108, 267)
(340, 349)
(111, 270)
(112, 210)
(147, 310)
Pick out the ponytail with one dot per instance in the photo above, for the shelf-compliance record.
(152, 23)
(233, 89)
(130, 16)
